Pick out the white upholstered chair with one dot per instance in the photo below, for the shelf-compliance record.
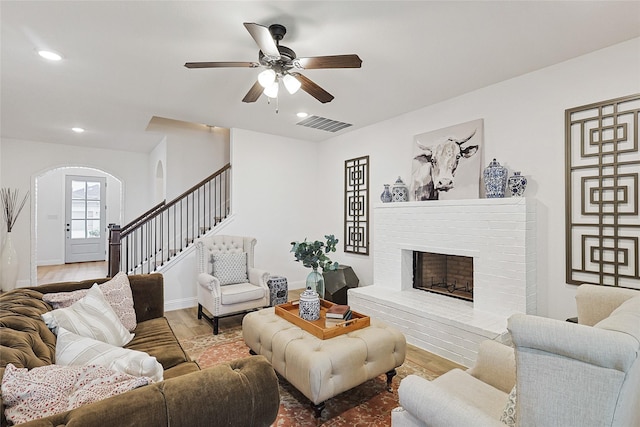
(228, 283)
(566, 374)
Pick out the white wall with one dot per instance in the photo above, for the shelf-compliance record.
(523, 129)
(23, 161)
(274, 186)
(192, 153)
(50, 215)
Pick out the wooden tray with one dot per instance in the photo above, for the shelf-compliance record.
(289, 311)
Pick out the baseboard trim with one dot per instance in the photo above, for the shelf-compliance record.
(179, 304)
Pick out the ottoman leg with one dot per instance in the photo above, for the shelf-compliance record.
(392, 373)
(317, 409)
(199, 311)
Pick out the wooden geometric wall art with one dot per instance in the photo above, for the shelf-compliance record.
(602, 166)
(356, 205)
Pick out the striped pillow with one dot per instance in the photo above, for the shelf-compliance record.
(73, 350)
(116, 291)
(91, 317)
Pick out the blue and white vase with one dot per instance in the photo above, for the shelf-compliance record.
(495, 180)
(386, 194)
(309, 305)
(517, 184)
(400, 192)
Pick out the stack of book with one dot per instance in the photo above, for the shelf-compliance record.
(336, 314)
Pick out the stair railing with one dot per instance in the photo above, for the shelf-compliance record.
(151, 240)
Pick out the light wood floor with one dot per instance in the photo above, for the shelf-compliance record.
(71, 272)
(185, 322)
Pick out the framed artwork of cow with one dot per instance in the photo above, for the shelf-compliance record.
(447, 163)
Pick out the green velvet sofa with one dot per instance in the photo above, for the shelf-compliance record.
(243, 392)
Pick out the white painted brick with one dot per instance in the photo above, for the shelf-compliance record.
(500, 234)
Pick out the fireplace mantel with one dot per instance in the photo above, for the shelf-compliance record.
(500, 235)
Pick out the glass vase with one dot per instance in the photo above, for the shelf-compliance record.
(315, 281)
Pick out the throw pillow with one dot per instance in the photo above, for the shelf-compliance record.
(117, 292)
(230, 268)
(91, 317)
(509, 413)
(47, 390)
(72, 349)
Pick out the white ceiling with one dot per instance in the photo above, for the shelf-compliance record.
(123, 61)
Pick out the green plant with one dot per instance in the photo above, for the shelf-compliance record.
(11, 208)
(314, 254)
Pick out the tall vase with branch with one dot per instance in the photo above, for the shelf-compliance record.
(11, 208)
(314, 255)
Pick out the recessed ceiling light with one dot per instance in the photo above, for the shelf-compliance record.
(77, 130)
(302, 114)
(52, 56)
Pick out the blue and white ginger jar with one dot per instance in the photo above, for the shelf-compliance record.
(309, 305)
(400, 192)
(495, 180)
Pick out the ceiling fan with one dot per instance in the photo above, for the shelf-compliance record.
(281, 63)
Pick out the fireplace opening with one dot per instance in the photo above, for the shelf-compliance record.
(450, 275)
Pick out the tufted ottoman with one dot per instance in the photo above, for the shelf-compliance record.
(321, 369)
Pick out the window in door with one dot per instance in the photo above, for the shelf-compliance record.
(86, 219)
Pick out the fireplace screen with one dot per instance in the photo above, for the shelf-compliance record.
(450, 275)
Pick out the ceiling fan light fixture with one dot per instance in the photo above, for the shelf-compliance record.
(272, 90)
(266, 78)
(291, 83)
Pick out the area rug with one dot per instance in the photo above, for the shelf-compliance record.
(367, 405)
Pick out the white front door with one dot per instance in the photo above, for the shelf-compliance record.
(85, 219)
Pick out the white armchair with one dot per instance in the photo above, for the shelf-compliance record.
(228, 283)
(566, 374)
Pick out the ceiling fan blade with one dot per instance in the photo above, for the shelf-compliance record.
(313, 89)
(254, 93)
(263, 39)
(221, 64)
(334, 61)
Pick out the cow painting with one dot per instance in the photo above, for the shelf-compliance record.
(434, 167)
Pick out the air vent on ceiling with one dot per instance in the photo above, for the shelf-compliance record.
(322, 123)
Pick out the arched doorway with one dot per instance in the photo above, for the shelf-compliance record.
(49, 225)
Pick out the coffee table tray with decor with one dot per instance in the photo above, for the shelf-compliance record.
(289, 312)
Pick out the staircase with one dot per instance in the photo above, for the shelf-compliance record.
(151, 240)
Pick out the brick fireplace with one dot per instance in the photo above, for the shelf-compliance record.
(499, 235)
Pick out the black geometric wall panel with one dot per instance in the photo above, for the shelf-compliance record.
(601, 174)
(356, 205)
